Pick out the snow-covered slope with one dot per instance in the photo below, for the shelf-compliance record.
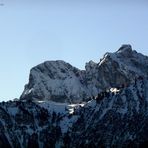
(116, 118)
(26, 124)
(61, 82)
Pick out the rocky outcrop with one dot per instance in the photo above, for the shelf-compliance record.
(61, 82)
(57, 81)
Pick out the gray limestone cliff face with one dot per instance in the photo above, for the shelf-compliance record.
(61, 82)
(118, 68)
(55, 80)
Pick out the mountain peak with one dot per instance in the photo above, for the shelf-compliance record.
(61, 82)
(125, 50)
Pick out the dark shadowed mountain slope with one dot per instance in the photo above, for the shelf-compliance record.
(117, 118)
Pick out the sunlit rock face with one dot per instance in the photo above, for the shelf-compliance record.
(61, 82)
(57, 81)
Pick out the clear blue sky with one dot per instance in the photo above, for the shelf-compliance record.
(33, 31)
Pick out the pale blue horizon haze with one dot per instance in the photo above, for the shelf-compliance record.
(76, 31)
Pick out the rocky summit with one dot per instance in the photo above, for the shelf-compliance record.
(61, 82)
(54, 110)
